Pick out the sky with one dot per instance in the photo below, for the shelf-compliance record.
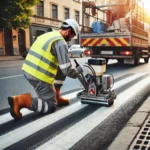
(146, 4)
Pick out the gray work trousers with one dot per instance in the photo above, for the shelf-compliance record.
(46, 100)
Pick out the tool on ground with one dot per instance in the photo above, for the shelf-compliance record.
(97, 85)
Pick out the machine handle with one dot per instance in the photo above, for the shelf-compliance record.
(81, 77)
(76, 62)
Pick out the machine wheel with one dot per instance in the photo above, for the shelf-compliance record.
(111, 103)
(69, 54)
(82, 102)
(120, 61)
(146, 60)
(82, 55)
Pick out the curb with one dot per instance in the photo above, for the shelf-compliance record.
(10, 58)
(125, 139)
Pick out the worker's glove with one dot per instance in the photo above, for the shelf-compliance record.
(79, 69)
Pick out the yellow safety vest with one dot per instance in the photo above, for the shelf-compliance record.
(39, 62)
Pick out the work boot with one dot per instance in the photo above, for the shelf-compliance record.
(60, 100)
(18, 102)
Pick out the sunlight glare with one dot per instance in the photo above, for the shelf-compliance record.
(146, 4)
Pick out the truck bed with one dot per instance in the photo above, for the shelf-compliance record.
(119, 39)
(106, 39)
(105, 34)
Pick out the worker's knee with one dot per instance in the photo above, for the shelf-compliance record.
(44, 106)
(50, 107)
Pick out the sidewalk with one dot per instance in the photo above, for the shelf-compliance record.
(11, 58)
(11, 61)
(136, 133)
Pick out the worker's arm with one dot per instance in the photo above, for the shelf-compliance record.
(60, 50)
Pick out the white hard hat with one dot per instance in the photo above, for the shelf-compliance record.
(72, 23)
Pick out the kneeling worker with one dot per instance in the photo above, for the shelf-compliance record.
(46, 66)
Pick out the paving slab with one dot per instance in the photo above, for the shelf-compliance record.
(127, 135)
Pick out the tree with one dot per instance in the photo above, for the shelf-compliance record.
(16, 13)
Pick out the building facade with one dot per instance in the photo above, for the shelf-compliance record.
(47, 15)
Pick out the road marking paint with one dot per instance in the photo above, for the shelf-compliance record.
(127, 80)
(70, 134)
(7, 117)
(33, 127)
(10, 77)
(72, 95)
(70, 137)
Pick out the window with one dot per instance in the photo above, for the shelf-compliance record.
(66, 13)
(77, 0)
(87, 20)
(77, 16)
(54, 11)
(39, 32)
(40, 9)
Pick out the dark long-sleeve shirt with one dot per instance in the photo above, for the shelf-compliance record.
(60, 50)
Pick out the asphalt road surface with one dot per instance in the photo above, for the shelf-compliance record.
(77, 126)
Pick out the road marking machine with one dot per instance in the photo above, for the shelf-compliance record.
(97, 85)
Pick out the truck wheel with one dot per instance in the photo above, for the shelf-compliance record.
(146, 60)
(120, 61)
(137, 57)
(137, 60)
(110, 103)
(107, 60)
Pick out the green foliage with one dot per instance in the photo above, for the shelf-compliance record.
(16, 13)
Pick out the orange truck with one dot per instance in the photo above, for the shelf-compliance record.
(117, 31)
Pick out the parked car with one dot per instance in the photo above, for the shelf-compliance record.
(76, 51)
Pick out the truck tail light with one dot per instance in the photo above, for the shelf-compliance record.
(88, 52)
(126, 53)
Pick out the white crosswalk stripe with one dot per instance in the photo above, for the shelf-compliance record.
(127, 80)
(90, 122)
(35, 126)
(7, 117)
(69, 137)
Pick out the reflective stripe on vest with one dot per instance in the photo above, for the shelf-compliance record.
(39, 62)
